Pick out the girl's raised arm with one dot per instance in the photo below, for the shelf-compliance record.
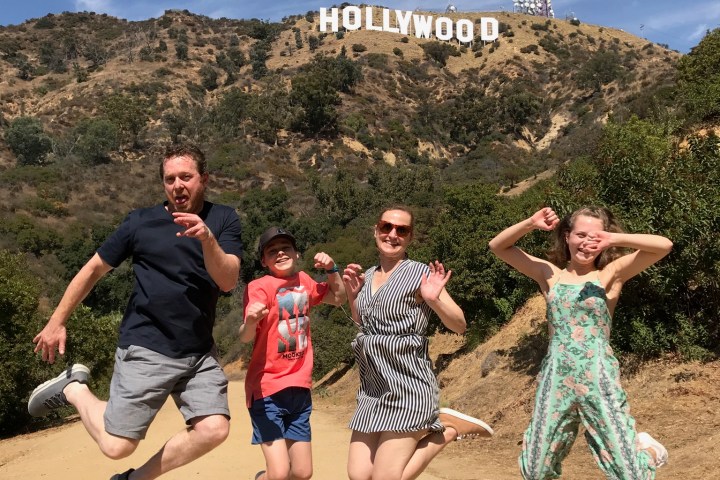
(503, 245)
(649, 249)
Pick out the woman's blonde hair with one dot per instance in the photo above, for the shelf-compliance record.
(559, 253)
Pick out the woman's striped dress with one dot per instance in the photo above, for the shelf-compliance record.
(398, 389)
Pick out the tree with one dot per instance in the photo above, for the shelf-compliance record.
(229, 113)
(19, 292)
(699, 79)
(181, 50)
(268, 111)
(440, 51)
(316, 98)
(28, 141)
(91, 340)
(602, 68)
(209, 77)
(128, 113)
(95, 139)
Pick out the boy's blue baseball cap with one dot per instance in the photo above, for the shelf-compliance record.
(271, 234)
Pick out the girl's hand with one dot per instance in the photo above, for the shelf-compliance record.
(597, 241)
(545, 219)
(354, 279)
(434, 282)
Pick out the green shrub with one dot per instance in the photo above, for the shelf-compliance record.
(28, 141)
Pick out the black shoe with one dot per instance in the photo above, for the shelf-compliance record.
(122, 476)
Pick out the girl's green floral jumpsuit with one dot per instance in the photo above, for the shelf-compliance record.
(579, 382)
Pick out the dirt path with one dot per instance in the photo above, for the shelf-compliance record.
(68, 453)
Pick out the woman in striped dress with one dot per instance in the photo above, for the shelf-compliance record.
(397, 426)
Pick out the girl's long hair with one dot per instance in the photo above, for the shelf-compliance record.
(559, 253)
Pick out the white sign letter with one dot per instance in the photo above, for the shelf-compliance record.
(489, 29)
(386, 22)
(443, 28)
(356, 21)
(465, 33)
(369, 20)
(403, 18)
(324, 19)
(422, 25)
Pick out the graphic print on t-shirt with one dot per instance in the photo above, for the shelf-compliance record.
(293, 322)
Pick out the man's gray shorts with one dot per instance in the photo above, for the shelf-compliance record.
(143, 380)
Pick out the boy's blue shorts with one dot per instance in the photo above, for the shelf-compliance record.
(285, 414)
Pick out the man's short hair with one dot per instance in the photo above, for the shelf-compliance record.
(184, 150)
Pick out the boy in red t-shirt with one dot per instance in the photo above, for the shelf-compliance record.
(278, 381)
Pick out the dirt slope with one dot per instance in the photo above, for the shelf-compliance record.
(677, 403)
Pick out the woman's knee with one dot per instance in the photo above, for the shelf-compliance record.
(359, 472)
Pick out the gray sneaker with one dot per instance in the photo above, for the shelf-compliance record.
(122, 476)
(49, 395)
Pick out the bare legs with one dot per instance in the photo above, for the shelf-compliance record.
(392, 455)
(205, 434)
(287, 460)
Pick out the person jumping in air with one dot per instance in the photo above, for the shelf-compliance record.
(279, 376)
(398, 427)
(579, 380)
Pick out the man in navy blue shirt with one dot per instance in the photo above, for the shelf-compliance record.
(184, 253)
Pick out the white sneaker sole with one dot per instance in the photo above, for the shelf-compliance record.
(468, 418)
(63, 376)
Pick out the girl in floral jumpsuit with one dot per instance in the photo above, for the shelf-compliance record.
(579, 380)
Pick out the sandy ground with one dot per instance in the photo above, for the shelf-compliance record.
(68, 452)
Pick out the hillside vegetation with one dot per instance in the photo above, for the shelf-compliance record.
(316, 132)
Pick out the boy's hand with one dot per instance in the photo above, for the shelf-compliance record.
(323, 261)
(255, 312)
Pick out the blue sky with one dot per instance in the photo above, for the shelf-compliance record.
(681, 24)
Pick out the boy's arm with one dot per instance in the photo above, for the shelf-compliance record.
(255, 302)
(254, 312)
(336, 288)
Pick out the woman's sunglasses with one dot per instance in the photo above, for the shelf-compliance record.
(387, 227)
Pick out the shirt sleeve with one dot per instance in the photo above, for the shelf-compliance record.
(118, 246)
(317, 290)
(229, 237)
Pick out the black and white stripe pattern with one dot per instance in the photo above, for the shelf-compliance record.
(398, 389)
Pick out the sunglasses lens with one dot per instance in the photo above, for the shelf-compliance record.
(400, 230)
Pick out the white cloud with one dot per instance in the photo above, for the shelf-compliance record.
(685, 15)
(698, 33)
(97, 6)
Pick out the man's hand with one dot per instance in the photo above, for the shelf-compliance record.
(51, 338)
(194, 226)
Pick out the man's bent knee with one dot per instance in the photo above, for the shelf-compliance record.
(117, 448)
(213, 429)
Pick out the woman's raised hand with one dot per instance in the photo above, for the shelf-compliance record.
(432, 284)
(354, 279)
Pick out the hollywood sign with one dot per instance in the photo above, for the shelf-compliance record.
(423, 26)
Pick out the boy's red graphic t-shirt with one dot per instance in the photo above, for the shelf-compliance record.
(282, 354)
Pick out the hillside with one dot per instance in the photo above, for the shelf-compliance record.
(317, 132)
(60, 68)
(495, 381)
(110, 93)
